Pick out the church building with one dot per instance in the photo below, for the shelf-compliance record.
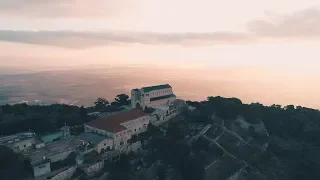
(152, 96)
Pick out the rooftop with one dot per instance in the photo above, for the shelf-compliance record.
(53, 173)
(162, 97)
(6, 140)
(162, 107)
(43, 161)
(158, 87)
(91, 138)
(52, 148)
(113, 122)
(51, 137)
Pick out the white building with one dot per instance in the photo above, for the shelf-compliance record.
(92, 169)
(152, 96)
(60, 174)
(19, 142)
(41, 157)
(41, 167)
(120, 127)
(163, 113)
(98, 142)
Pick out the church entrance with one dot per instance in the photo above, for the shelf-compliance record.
(138, 106)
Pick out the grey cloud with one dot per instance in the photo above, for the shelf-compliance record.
(62, 8)
(73, 39)
(303, 24)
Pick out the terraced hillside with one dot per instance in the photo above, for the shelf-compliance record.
(234, 150)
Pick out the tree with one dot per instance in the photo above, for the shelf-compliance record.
(83, 114)
(115, 104)
(175, 132)
(227, 108)
(82, 111)
(101, 104)
(193, 104)
(200, 144)
(121, 169)
(276, 106)
(289, 107)
(192, 168)
(11, 165)
(161, 172)
(124, 163)
(122, 99)
(152, 130)
(40, 119)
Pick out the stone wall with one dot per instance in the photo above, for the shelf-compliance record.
(134, 146)
(23, 145)
(65, 175)
(93, 168)
(106, 144)
(41, 169)
(59, 156)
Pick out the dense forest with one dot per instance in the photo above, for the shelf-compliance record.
(298, 122)
(45, 119)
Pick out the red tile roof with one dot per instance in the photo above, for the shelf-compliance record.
(112, 123)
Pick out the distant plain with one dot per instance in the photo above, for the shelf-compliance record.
(82, 85)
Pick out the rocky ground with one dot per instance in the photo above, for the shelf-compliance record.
(235, 147)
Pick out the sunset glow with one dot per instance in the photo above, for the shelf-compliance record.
(264, 51)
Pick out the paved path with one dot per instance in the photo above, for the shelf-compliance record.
(202, 132)
(212, 163)
(224, 150)
(236, 135)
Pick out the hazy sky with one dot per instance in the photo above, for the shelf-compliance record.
(280, 36)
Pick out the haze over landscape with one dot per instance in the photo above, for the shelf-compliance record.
(75, 50)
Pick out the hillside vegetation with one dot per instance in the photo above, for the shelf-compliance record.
(288, 137)
(242, 141)
(44, 119)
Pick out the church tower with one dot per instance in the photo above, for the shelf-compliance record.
(65, 131)
(135, 97)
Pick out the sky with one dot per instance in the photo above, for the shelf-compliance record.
(281, 38)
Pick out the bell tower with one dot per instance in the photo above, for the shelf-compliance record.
(135, 97)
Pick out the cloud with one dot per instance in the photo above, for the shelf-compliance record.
(74, 39)
(300, 26)
(304, 24)
(63, 8)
